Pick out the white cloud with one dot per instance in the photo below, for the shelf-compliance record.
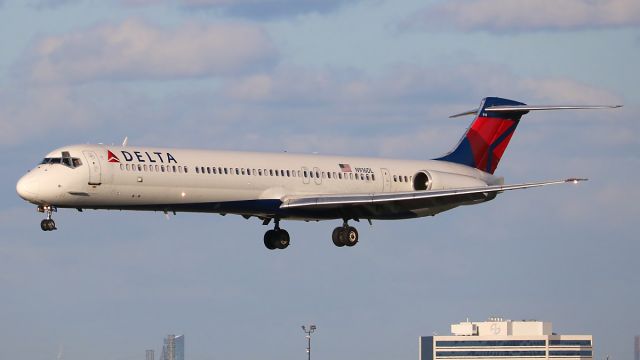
(346, 111)
(257, 9)
(133, 50)
(50, 4)
(527, 15)
(30, 113)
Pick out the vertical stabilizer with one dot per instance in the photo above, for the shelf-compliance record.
(486, 140)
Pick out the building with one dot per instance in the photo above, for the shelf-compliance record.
(637, 348)
(149, 355)
(173, 348)
(505, 339)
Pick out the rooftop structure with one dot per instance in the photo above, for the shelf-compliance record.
(498, 338)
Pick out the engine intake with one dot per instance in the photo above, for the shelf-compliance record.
(438, 180)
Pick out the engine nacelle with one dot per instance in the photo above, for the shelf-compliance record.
(437, 180)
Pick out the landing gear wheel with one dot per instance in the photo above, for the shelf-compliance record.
(335, 236)
(269, 243)
(47, 225)
(350, 236)
(282, 239)
(276, 239)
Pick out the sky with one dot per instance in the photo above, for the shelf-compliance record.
(362, 77)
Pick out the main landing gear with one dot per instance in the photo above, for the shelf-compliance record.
(276, 238)
(47, 224)
(344, 235)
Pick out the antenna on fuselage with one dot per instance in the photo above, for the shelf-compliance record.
(125, 141)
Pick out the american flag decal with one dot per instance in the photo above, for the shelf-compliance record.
(345, 167)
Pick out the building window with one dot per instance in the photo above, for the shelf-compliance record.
(580, 353)
(512, 353)
(494, 343)
(570, 342)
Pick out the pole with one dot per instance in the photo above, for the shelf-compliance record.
(308, 333)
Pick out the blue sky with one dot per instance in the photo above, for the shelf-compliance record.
(369, 77)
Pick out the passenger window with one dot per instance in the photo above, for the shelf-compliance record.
(395, 178)
(161, 168)
(351, 176)
(318, 174)
(340, 176)
(180, 169)
(373, 177)
(406, 179)
(367, 177)
(144, 167)
(121, 166)
(260, 172)
(197, 170)
(174, 168)
(186, 169)
(305, 173)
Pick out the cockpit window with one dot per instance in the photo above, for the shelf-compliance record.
(65, 160)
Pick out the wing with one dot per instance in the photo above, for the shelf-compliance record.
(402, 204)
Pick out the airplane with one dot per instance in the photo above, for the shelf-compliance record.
(284, 186)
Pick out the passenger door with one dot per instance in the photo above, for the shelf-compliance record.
(95, 177)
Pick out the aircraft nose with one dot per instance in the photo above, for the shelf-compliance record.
(27, 187)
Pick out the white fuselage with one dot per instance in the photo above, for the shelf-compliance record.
(245, 183)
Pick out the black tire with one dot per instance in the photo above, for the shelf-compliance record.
(52, 225)
(351, 236)
(269, 237)
(282, 239)
(335, 236)
(44, 225)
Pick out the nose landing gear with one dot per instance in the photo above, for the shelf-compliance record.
(47, 224)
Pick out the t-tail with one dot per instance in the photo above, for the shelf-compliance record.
(486, 140)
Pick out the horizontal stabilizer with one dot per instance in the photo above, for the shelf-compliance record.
(527, 108)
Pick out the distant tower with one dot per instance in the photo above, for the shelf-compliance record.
(173, 348)
(637, 348)
(149, 354)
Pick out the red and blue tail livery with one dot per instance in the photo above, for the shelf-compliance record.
(484, 143)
